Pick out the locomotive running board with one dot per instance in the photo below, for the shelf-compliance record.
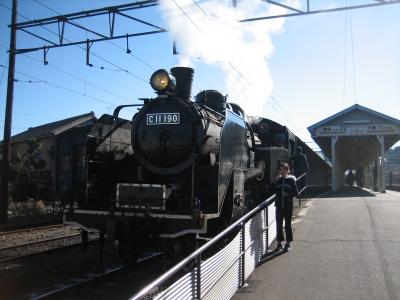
(132, 214)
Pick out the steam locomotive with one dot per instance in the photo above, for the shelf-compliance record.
(180, 169)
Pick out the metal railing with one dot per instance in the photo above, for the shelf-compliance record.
(303, 189)
(221, 275)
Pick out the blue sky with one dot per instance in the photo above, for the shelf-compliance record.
(311, 78)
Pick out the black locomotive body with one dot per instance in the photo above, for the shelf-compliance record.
(179, 169)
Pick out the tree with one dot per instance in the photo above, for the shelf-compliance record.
(30, 180)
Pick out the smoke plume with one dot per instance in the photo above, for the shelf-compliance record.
(210, 30)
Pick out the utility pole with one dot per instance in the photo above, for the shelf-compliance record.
(8, 118)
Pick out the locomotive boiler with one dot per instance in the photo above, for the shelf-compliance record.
(180, 169)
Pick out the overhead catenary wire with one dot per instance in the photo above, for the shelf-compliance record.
(76, 77)
(205, 14)
(82, 48)
(278, 108)
(118, 68)
(345, 59)
(352, 55)
(115, 45)
(348, 33)
(202, 32)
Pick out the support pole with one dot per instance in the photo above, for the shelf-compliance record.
(381, 166)
(8, 118)
(334, 163)
(101, 248)
(84, 239)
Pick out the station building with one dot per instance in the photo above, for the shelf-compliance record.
(357, 138)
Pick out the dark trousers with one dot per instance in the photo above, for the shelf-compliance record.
(286, 213)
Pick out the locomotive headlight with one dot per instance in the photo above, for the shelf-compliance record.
(161, 81)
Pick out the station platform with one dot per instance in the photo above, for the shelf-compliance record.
(346, 246)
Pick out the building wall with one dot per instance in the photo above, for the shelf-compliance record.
(71, 162)
(64, 155)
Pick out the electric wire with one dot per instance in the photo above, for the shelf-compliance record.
(4, 66)
(352, 54)
(81, 79)
(348, 28)
(37, 80)
(345, 58)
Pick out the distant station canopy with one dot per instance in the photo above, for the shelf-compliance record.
(357, 138)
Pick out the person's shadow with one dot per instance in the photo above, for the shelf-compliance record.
(271, 254)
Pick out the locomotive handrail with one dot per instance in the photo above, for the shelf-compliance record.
(118, 109)
(197, 253)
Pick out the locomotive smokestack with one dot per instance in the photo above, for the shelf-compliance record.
(184, 79)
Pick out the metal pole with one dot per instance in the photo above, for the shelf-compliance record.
(266, 228)
(243, 255)
(8, 118)
(198, 276)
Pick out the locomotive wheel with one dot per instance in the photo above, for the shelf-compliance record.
(181, 247)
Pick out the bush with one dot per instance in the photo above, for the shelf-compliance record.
(33, 207)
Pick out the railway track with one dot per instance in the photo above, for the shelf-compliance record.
(82, 287)
(32, 229)
(32, 241)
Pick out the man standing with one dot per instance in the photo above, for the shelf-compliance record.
(284, 186)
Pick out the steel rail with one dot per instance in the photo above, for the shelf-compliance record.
(31, 229)
(93, 277)
(39, 242)
(47, 251)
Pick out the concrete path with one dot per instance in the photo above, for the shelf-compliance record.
(347, 246)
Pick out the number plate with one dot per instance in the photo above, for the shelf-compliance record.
(163, 118)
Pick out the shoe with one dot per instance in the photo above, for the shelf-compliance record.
(278, 247)
(287, 247)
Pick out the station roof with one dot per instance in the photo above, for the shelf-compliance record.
(357, 127)
(350, 109)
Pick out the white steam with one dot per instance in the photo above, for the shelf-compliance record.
(210, 30)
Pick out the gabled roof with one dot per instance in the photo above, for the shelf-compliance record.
(52, 129)
(349, 109)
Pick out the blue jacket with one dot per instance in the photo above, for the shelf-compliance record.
(285, 189)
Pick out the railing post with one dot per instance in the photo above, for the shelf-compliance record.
(198, 276)
(266, 229)
(243, 249)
